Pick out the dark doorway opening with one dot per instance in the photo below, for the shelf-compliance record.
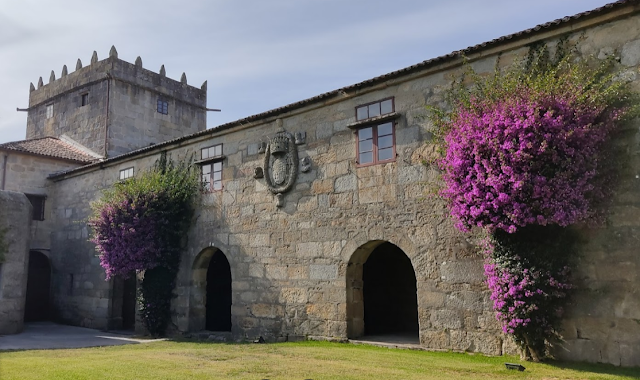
(129, 303)
(389, 293)
(37, 303)
(218, 294)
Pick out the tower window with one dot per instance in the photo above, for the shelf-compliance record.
(84, 99)
(163, 106)
(49, 111)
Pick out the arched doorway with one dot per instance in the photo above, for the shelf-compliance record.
(37, 302)
(210, 299)
(381, 293)
(218, 294)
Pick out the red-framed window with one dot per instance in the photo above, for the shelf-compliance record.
(211, 172)
(376, 142)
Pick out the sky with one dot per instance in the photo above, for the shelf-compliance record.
(255, 54)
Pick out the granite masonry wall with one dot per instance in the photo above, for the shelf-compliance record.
(297, 269)
(120, 114)
(28, 174)
(15, 218)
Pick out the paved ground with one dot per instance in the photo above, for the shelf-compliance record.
(48, 335)
(406, 341)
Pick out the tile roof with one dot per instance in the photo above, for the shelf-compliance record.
(551, 25)
(49, 147)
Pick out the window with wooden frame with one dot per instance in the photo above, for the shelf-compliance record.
(163, 106)
(37, 204)
(375, 131)
(211, 167)
(126, 173)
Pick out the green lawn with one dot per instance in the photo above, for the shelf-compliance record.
(304, 360)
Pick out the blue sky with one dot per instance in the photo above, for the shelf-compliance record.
(256, 55)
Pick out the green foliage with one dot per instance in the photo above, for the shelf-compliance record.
(595, 82)
(141, 224)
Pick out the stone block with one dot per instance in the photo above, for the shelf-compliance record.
(323, 272)
(630, 55)
(293, 296)
(438, 340)
(276, 272)
(471, 272)
(429, 300)
(345, 183)
(446, 319)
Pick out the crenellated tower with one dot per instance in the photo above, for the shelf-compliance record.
(113, 107)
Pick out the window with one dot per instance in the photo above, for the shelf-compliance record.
(84, 99)
(211, 152)
(163, 106)
(368, 111)
(37, 203)
(376, 141)
(49, 111)
(212, 176)
(126, 173)
(212, 170)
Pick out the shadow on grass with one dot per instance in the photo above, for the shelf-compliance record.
(600, 368)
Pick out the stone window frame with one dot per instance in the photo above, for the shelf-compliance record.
(372, 116)
(38, 205)
(210, 163)
(162, 106)
(84, 99)
(49, 110)
(126, 173)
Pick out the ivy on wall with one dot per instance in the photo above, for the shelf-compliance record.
(140, 226)
(526, 154)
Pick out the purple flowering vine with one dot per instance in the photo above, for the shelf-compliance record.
(525, 157)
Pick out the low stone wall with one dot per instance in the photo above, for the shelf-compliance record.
(15, 219)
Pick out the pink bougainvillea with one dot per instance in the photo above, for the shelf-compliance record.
(525, 158)
(529, 159)
(126, 235)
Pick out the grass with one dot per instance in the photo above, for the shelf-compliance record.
(303, 360)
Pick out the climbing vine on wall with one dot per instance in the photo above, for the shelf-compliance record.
(140, 226)
(526, 155)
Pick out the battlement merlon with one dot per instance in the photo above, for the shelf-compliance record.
(119, 70)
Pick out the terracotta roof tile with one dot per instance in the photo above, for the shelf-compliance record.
(49, 147)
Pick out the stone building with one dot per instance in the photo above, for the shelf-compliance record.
(316, 220)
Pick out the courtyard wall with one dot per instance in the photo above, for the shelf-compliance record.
(15, 219)
(294, 268)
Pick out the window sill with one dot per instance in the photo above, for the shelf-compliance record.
(210, 160)
(373, 120)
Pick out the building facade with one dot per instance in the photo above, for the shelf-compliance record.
(317, 219)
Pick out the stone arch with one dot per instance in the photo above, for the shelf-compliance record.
(210, 293)
(38, 297)
(381, 291)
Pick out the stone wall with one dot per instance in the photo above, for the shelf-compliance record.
(15, 217)
(28, 174)
(297, 269)
(120, 115)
